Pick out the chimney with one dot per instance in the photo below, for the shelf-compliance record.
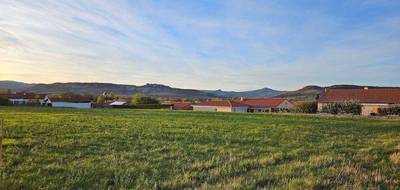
(326, 89)
(366, 88)
(241, 98)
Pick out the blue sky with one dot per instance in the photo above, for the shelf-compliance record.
(230, 45)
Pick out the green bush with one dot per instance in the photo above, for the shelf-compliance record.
(347, 107)
(140, 99)
(3, 101)
(307, 107)
(389, 111)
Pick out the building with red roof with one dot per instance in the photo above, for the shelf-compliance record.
(23, 98)
(181, 106)
(245, 105)
(370, 99)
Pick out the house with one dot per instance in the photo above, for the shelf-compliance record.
(221, 106)
(245, 105)
(370, 99)
(23, 98)
(269, 104)
(181, 106)
(69, 102)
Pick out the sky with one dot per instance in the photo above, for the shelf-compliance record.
(202, 44)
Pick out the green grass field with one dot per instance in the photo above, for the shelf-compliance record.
(48, 148)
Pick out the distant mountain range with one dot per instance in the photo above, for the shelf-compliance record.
(310, 93)
(304, 94)
(264, 92)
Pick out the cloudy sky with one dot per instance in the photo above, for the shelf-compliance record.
(230, 45)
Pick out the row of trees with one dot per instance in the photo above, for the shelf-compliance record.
(3, 101)
(348, 107)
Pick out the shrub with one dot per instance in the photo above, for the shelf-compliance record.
(347, 107)
(3, 101)
(307, 107)
(389, 111)
(140, 99)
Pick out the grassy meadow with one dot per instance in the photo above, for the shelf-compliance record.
(46, 148)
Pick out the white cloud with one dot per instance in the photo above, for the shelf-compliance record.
(232, 45)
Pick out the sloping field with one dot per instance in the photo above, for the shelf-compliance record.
(143, 149)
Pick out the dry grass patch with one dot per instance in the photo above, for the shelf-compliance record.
(395, 158)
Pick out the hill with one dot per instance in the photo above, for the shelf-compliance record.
(126, 90)
(307, 93)
(264, 92)
(310, 93)
(14, 85)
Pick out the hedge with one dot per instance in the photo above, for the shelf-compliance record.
(347, 107)
(307, 107)
(389, 111)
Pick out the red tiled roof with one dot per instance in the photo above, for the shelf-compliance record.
(223, 103)
(182, 105)
(255, 103)
(390, 96)
(23, 95)
(264, 102)
(68, 99)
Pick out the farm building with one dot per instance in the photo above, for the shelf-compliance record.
(268, 104)
(370, 99)
(23, 98)
(181, 106)
(221, 106)
(245, 105)
(68, 103)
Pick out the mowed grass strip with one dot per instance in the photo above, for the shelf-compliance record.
(48, 148)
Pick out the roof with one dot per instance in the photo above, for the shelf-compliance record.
(118, 103)
(254, 103)
(22, 95)
(387, 95)
(71, 100)
(182, 105)
(223, 103)
(264, 102)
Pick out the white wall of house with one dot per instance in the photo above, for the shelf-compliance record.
(71, 105)
(367, 109)
(204, 108)
(219, 108)
(18, 101)
(239, 109)
(320, 106)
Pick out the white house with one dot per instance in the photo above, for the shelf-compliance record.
(68, 103)
(221, 106)
(268, 104)
(245, 105)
